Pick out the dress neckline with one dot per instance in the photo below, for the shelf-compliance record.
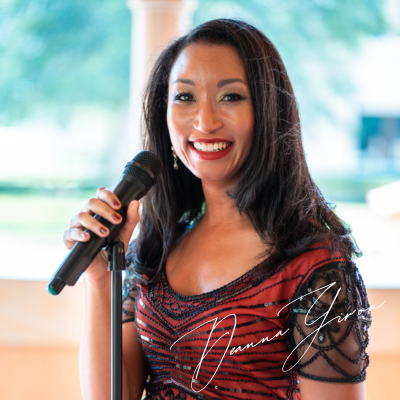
(166, 284)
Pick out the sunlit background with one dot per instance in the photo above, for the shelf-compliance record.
(66, 129)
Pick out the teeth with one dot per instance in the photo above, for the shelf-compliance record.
(211, 146)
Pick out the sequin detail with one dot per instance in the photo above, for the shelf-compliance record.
(249, 333)
(336, 350)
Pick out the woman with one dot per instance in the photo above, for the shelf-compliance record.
(240, 283)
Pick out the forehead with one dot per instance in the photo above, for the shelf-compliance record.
(209, 61)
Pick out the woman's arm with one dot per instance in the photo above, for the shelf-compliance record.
(317, 390)
(134, 362)
(330, 324)
(95, 345)
(95, 349)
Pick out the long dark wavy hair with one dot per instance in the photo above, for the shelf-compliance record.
(275, 189)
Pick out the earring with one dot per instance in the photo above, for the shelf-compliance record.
(175, 158)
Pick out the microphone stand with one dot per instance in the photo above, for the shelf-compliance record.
(116, 264)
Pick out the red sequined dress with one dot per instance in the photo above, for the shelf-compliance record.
(251, 338)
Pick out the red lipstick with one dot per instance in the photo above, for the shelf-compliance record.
(210, 155)
(214, 140)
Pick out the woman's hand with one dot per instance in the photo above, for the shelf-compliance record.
(104, 204)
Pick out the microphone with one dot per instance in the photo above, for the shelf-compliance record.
(137, 179)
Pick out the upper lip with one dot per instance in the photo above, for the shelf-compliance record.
(216, 140)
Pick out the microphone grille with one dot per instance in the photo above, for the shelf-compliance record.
(150, 163)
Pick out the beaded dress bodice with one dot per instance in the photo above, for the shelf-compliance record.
(251, 338)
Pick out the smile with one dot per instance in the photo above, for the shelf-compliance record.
(211, 150)
(211, 147)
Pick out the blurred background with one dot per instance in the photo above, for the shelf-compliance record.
(71, 76)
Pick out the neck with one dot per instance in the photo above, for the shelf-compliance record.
(221, 210)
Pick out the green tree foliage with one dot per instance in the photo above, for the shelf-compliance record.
(58, 55)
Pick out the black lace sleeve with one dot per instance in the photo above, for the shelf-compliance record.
(328, 325)
(129, 293)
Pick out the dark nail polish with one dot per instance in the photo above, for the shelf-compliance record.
(103, 231)
(116, 204)
(117, 217)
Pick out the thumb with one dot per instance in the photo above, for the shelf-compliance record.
(132, 218)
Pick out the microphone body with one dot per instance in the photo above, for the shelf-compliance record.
(132, 186)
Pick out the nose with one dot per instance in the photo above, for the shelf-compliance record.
(207, 119)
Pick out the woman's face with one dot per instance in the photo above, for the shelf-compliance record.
(210, 111)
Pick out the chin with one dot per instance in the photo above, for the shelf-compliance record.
(211, 173)
(213, 179)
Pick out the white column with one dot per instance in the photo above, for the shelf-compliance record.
(154, 24)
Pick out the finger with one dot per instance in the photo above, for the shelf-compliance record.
(132, 215)
(71, 236)
(99, 207)
(108, 197)
(132, 219)
(85, 220)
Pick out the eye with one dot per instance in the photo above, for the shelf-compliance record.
(183, 97)
(232, 97)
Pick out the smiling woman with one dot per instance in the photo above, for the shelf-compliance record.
(210, 112)
(237, 247)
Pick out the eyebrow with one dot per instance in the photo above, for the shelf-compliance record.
(228, 81)
(187, 81)
(221, 83)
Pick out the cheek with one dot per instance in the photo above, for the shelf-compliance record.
(172, 130)
(177, 133)
(176, 124)
(245, 129)
(169, 120)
